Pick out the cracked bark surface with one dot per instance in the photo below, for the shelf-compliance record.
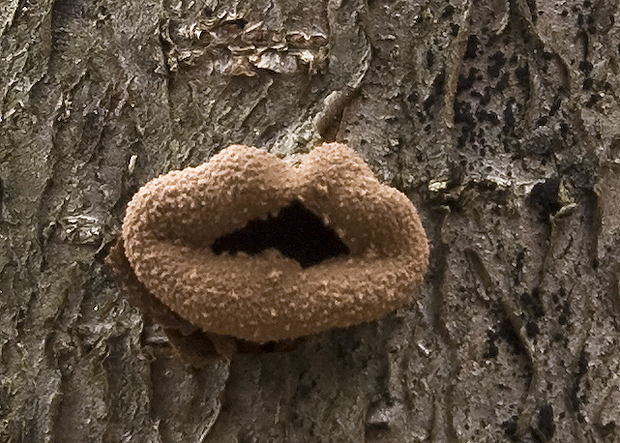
(498, 118)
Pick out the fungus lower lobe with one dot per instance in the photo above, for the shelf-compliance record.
(296, 232)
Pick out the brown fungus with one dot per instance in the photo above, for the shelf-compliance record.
(248, 247)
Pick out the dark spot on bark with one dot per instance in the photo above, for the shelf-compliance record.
(463, 114)
(555, 106)
(542, 121)
(488, 116)
(499, 61)
(558, 338)
(447, 11)
(238, 22)
(465, 83)
(430, 59)
(493, 350)
(585, 67)
(563, 308)
(375, 431)
(510, 428)
(509, 117)
(436, 90)
(592, 100)
(523, 76)
(606, 429)
(533, 303)
(472, 47)
(582, 369)
(519, 265)
(505, 330)
(486, 98)
(502, 83)
(531, 329)
(544, 197)
(454, 29)
(532, 6)
(546, 425)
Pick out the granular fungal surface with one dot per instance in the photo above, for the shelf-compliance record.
(247, 246)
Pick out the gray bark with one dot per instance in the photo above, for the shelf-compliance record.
(499, 118)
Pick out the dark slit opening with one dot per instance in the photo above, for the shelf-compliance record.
(296, 232)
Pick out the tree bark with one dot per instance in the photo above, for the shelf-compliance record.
(498, 118)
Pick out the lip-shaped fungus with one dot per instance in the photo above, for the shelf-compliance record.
(247, 246)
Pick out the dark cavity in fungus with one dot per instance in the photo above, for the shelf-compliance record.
(296, 232)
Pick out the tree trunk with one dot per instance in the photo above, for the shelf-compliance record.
(498, 118)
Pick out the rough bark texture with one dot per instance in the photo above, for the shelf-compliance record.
(498, 118)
